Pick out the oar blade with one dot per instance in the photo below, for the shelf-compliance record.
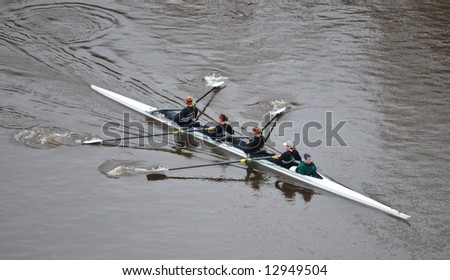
(215, 80)
(278, 111)
(217, 84)
(158, 170)
(156, 177)
(93, 141)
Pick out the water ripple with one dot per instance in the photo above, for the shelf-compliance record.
(13, 118)
(67, 22)
(60, 35)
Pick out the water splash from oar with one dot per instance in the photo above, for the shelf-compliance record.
(48, 137)
(278, 105)
(123, 168)
(215, 80)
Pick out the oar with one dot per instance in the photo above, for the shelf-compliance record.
(163, 170)
(278, 112)
(99, 141)
(270, 131)
(275, 114)
(214, 86)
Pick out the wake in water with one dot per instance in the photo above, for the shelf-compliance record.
(44, 138)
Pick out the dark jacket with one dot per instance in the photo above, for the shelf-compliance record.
(220, 131)
(186, 116)
(287, 159)
(256, 144)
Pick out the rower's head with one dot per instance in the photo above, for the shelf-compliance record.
(257, 131)
(289, 145)
(188, 100)
(223, 118)
(307, 158)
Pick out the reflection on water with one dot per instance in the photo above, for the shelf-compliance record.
(186, 141)
(290, 191)
(254, 178)
(158, 177)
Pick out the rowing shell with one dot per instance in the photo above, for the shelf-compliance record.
(324, 184)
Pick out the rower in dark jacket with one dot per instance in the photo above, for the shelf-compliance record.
(288, 158)
(254, 145)
(187, 116)
(221, 130)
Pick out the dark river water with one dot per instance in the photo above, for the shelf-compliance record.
(383, 69)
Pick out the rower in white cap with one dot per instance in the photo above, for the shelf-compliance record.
(287, 159)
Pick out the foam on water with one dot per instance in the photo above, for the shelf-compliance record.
(124, 168)
(214, 78)
(278, 104)
(121, 171)
(42, 137)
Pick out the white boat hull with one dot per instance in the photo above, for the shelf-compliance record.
(323, 184)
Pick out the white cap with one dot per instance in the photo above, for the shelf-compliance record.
(289, 144)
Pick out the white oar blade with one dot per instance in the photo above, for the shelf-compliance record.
(158, 171)
(278, 111)
(93, 141)
(403, 216)
(215, 80)
(220, 84)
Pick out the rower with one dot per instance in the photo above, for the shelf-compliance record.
(221, 130)
(254, 145)
(186, 117)
(287, 159)
(307, 167)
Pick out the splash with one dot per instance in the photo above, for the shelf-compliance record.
(121, 171)
(42, 138)
(278, 104)
(123, 168)
(214, 78)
